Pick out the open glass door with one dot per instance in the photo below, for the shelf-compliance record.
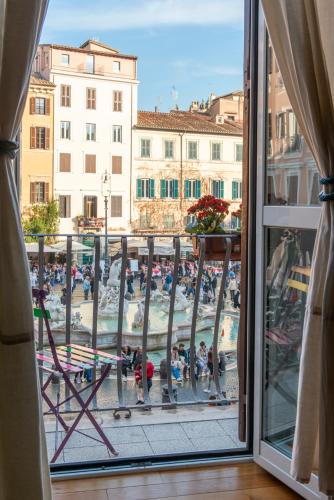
(286, 215)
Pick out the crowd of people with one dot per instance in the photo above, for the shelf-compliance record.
(180, 366)
(54, 279)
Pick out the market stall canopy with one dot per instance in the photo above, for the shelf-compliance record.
(34, 248)
(61, 247)
(160, 247)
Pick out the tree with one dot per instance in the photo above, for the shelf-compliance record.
(42, 218)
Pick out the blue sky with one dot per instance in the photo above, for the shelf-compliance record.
(192, 46)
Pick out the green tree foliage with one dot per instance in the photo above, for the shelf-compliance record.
(42, 218)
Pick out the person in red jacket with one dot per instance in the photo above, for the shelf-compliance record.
(139, 379)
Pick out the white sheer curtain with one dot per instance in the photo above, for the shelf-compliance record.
(23, 460)
(302, 35)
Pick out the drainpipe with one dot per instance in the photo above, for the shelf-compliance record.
(131, 138)
(181, 171)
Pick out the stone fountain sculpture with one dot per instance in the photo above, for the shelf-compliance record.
(110, 294)
(58, 314)
(138, 320)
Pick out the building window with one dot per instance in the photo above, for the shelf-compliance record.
(65, 130)
(117, 133)
(169, 221)
(217, 189)
(169, 149)
(238, 152)
(116, 206)
(90, 164)
(65, 59)
(39, 192)
(192, 150)
(144, 219)
(64, 206)
(90, 64)
(189, 219)
(145, 188)
(65, 96)
(215, 151)
(90, 207)
(39, 106)
(117, 100)
(280, 125)
(39, 138)
(90, 132)
(169, 188)
(145, 148)
(65, 162)
(192, 188)
(116, 167)
(236, 190)
(116, 66)
(235, 222)
(90, 98)
(292, 189)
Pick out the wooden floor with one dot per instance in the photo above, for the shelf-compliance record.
(229, 482)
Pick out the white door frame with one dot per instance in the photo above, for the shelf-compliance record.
(268, 216)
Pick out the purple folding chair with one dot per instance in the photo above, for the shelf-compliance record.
(65, 369)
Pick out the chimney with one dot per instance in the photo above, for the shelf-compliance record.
(155, 109)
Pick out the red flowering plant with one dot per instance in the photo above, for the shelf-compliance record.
(209, 213)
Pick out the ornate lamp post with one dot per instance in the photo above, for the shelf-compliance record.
(106, 191)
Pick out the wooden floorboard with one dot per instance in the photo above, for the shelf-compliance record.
(245, 481)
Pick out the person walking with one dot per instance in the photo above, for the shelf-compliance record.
(126, 362)
(201, 359)
(210, 368)
(129, 284)
(176, 365)
(139, 380)
(184, 356)
(86, 287)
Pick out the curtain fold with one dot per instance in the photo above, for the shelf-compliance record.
(302, 36)
(24, 470)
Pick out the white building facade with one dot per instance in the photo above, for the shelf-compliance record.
(95, 110)
(179, 157)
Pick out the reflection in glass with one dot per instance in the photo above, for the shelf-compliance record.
(292, 177)
(288, 257)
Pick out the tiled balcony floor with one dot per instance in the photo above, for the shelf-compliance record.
(158, 432)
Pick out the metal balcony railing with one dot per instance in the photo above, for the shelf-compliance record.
(121, 244)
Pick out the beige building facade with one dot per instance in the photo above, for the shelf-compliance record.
(179, 157)
(37, 144)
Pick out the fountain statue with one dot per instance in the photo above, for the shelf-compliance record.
(58, 314)
(109, 295)
(138, 320)
(56, 310)
(181, 301)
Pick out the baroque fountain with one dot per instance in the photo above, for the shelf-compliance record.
(133, 317)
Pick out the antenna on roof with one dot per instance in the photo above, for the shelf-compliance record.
(174, 95)
(159, 102)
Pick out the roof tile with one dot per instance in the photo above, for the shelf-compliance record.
(186, 121)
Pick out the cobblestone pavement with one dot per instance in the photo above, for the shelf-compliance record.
(156, 432)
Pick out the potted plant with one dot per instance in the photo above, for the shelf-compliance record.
(210, 213)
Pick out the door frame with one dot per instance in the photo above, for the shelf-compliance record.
(266, 455)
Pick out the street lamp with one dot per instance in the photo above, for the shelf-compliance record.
(106, 191)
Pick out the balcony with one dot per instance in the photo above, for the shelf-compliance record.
(192, 406)
(90, 223)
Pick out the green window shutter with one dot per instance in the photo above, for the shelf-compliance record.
(234, 190)
(151, 188)
(198, 189)
(175, 188)
(139, 189)
(187, 188)
(162, 188)
(221, 189)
